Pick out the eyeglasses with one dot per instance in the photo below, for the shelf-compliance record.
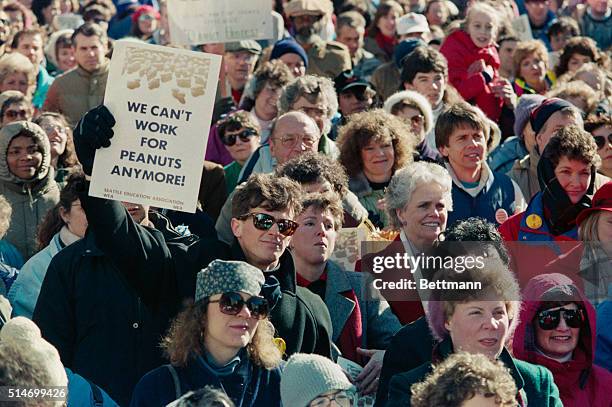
(549, 320)
(231, 303)
(538, 1)
(146, 17)
(341, 398)
(263, 221)
(290, 140)
(14, 114)
(601, 140)
(312, 111)
(230, 139)
(49, 128)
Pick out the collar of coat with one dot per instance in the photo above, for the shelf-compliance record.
(445, 348)
(102, 70)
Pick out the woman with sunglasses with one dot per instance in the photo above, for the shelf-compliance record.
(145, 21)
(478, 321)
(224, 340)
(239, 133)
(558, 331)
(600, 128)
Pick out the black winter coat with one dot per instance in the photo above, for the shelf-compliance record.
(107, 300)
(300, 317)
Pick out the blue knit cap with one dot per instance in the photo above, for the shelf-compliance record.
(288, 46)
(542, 113)
(404, 48)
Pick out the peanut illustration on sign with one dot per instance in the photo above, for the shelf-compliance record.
(154, 68)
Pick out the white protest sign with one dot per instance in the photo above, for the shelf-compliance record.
(162, 99)
(195, 22)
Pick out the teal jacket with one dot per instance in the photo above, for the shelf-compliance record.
(535, 383)
(43, 82)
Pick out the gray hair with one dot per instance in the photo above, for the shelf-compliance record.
(407, 179)
(310, 86)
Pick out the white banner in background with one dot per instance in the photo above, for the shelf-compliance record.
(195, 22)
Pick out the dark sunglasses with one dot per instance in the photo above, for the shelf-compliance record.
(601, 140)
(232, 303)
(230, 139)
(263, 221)
(13, 114)
(549, 320)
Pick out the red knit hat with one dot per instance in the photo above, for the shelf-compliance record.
(602, 201)
(146, 9)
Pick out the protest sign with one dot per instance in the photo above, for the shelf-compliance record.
(195, 22)
(162, 99)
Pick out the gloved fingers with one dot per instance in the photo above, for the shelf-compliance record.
(105, 115)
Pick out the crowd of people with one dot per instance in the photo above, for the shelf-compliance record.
(429, 129)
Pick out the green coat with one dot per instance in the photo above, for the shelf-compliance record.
(328, 58)
(535, 383)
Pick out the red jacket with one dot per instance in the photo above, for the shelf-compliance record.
(460, 52)
(580, 382)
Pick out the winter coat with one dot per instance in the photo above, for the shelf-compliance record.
(503, 157)
(43, 83)
(108, 299)
(534, 383)
(603, 354)
(531, 245)
(31, 199)
(83, 393)
(580, 382)
(9, 255)
(77, 91)
(377, 320)
(386, 80)
(24, 293)
(261, 386)
(410, 347)
(460, 52)
(300, 316)
(369, 198)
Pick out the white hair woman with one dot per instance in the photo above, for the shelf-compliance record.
(417, 202)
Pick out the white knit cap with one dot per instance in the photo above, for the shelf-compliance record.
(412, 23)
(307, 376)
(23, 334)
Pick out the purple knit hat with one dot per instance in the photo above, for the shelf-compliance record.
(523, 111)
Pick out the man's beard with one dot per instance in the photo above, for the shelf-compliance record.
(307, 34)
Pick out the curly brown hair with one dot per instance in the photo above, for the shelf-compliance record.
(583, 46)
(573, 143)
(573, 90)
(311, 167)
(68, 158)
(328, 201)
(275, 73)
(379, 126)
(184, 340)
(461, 377)
(267, 191)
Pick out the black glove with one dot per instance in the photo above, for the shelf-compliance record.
(222, 107)
(93, 131)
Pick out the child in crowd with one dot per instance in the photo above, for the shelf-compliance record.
(473, 61)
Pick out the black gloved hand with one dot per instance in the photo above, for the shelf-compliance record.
(94, 130)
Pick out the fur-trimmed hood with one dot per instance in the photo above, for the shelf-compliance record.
(8, 133)
(415, 97)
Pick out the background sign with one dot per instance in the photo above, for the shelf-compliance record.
(195, 22)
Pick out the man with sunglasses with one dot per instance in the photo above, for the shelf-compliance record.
(557, 330)
(355, 95)
(262, 223)
(600, 128)
(239, 133)
(292, 134)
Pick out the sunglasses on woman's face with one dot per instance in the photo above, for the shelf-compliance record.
(263, 221)
(549, 320)
(601, 140)
(230, 139)
(232, 303)
(14, 114)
